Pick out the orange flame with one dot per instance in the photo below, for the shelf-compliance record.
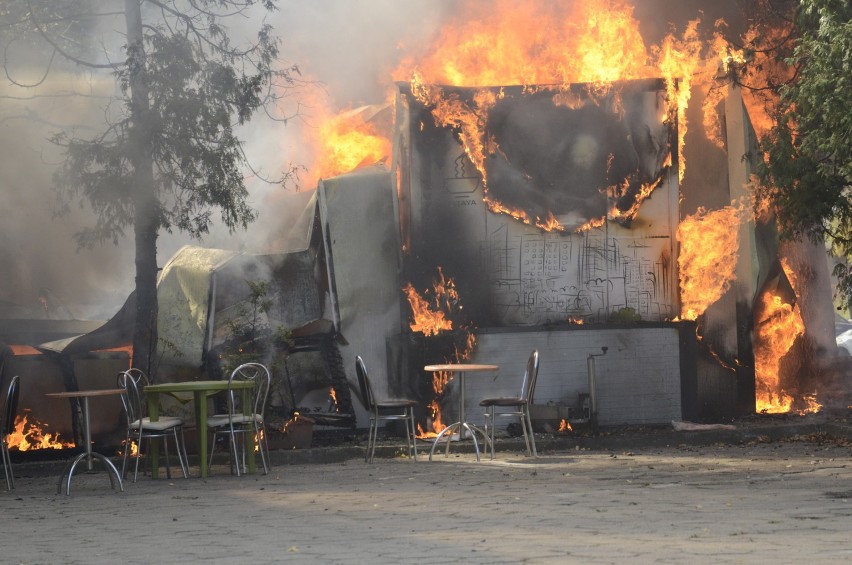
(134, 449)
(440, 380)
(348, 142)
(758, 69)
(565, 426)
(594, 42)
(333, 395)
(430, 317)
(775, 333)
(709, 248)
(342, 141)
(28, 435)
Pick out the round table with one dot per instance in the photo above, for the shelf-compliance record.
(88, 455)
(460, 369)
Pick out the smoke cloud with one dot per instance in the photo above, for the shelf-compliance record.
(345, 51)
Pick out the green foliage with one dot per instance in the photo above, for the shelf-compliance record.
(249, 324)
(808, 168)
(625, 315)
(248, 329)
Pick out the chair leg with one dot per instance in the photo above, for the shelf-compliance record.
(371, 439)
(407, 435)
(234, 452)
(266, 449)
(211, 448)
(243, 448)
(413, 435)
(522, 419)
(138, 456)
(530, 428)
(168, 462)
(7, 465)
(180, 452)
(127, 446)
(183, 450)
(263, 447)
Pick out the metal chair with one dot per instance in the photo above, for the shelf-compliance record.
(7, 424)
(244, 420)
(519, 406)
(140, 428)
(387, 409)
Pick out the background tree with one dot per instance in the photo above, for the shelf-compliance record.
(168, 157)
(807, 171)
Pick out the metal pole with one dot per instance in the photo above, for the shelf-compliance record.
(593, 395)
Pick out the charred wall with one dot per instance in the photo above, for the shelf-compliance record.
(560, 159)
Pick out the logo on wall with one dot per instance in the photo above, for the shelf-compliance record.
(462, 187)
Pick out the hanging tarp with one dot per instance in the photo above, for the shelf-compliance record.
(184, 296)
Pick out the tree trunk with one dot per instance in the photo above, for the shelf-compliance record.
(145, 222)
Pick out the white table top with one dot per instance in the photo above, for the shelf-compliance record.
(461, 367)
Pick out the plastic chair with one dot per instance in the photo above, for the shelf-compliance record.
(242, 421)
(381, 410)
(7, 424)
(140, 428)
(519, 406)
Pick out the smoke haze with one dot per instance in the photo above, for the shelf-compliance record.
(346, 52)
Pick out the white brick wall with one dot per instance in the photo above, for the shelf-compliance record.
(638, 380)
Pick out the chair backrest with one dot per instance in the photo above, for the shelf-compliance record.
(10, 408)
(133, 381)
(530, 376)
(262, 379)
(364, 384)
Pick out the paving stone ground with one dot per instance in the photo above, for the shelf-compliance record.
(761, 501)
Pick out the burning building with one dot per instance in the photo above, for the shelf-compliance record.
(526, 186)
(556, 218)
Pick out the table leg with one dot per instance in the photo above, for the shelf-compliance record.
(201, 431)
(87, 433)
(88, 456)
(459, 426)
(461, 399)
(448, 431)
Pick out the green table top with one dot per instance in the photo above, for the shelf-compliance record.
(197, 386)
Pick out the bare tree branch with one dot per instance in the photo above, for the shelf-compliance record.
(57, 48)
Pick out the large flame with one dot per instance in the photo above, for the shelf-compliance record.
(341, 141)
(596, 42)
(546, 43)
(707, 260)
(758, 68)
(28, 435)
(348, 142)
(775, 334)
(431, 317)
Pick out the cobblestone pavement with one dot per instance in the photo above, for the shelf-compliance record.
(761, 502)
